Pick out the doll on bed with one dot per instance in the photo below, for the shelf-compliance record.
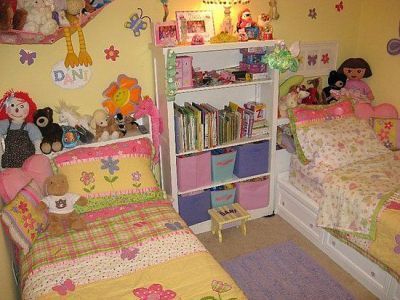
(355, 69)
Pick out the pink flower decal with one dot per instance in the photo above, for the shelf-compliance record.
(325, 58)
(339, 6)
(111, 53)
(154, 292)
(23, 207)
(312, 13)
(388, 125)
(87, 177)
(63, 288)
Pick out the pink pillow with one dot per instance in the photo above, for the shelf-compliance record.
(384, 110)
(11, 182)
(38, 167)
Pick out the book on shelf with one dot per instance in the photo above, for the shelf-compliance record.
(203, 126)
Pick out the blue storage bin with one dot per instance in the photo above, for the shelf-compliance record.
(222, 197)
(222, 166)
(251, 159)
(193, 207)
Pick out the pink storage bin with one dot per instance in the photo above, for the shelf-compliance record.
(253, 194)
(193, 171)
(184, 72)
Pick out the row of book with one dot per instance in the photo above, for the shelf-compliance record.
(202, 126)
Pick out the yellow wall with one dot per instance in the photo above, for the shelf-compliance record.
(379, 24)
(135, 58)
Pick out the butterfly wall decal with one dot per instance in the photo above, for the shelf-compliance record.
(63, 288)
(27, 57)
(129, 254)
(339, 6)
(312, 60)
(393, 46)
(137, 22)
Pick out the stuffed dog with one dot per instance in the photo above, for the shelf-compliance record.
(106, 128)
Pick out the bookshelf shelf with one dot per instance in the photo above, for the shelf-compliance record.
(224, 86)
(215, 184)
(201, 103)
(238, 142)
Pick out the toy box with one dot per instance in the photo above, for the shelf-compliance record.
(253, 194)
(193, 208)
(184, 72)
(193, 171)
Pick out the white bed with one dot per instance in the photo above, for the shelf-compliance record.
(300, 211)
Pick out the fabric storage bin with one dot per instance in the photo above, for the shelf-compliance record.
(222, 166)
(251, 159)
(253, 194)
(193, 207)
(193, 171)
(222, 197)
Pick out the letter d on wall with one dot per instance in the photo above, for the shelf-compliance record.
(70, 78)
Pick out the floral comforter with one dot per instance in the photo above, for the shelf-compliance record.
(142, 253)
(354, 195)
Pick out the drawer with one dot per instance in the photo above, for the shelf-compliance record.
(370, 274)
(303, 216)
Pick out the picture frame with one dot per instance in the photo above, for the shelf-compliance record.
(165, 34)
(190, 23)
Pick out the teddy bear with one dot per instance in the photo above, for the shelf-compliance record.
(60, 204)
(39, 18)
(105, 127)
(291, 100)
(10, 16)
(336, 81)
(52, 132)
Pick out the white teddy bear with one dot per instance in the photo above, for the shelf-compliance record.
(39, 17)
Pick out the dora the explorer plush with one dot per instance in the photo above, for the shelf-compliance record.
(61, 205)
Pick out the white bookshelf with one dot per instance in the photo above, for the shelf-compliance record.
(214, 57)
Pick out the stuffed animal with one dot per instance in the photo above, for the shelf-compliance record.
(106, 128)
(245, 20)
(291, 100)
(11, 17)
(51, 132)
(336, 81)
(39, 18)
(60, 204)
(23, 138)
(355, 70)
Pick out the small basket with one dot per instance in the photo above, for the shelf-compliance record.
(222, 197)
(222, 166)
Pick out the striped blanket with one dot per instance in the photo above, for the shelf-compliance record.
(145, 251)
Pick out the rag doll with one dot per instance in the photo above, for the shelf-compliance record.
(355, 70)
(60, 204)
(23, 138)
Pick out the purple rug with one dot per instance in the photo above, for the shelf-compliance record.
(283, 271)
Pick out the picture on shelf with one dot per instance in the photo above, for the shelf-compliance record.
(192, 23)
(165, 34)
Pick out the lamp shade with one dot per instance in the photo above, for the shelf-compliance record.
(226, 2)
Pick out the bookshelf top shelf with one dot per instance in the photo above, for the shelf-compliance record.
(220, 46)
(237, 142)
(223, 86)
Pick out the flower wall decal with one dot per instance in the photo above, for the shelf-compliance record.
(111, 53)
(122, 96)
(312, 13)
(339, 6)
(325, 58)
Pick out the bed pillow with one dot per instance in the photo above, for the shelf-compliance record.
(339, 142)
(387, 131)
(118, 169)
(23, 218)
(304, 116)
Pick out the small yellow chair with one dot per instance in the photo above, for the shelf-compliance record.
(228, 214)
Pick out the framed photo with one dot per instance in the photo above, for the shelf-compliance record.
(195, 22)
(166, 34)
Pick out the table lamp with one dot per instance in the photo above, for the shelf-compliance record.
(226, 25)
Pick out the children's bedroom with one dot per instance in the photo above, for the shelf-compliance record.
(200, 150)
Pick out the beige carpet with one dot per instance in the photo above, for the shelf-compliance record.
(268, 231)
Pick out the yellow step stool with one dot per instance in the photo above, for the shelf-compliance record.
(228, 214)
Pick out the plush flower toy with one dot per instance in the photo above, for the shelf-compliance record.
(355, 70)
(23, 138)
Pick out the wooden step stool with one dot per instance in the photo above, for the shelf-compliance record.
(228, 214)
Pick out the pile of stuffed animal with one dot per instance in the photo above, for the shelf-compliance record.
(28, 130)
(43, 16)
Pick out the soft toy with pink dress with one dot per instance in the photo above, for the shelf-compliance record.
(355, 70)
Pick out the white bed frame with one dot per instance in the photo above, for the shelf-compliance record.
(301, 211)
